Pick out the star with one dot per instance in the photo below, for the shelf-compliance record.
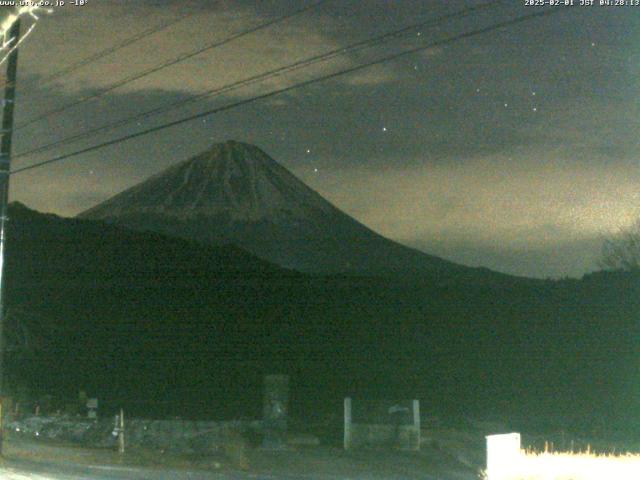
(308, 150)
(384, 129)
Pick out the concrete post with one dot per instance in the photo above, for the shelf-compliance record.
(92, 408)
(121, 433)
(347, 423)
(416, 423)
(276, 407)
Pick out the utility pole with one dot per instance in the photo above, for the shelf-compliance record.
(5, 169)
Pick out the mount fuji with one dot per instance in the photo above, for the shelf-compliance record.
(235, 193)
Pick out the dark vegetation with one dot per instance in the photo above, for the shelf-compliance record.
(167, 327)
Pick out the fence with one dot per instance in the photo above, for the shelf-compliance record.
(91, 429)
(382, 423)
(170, 435)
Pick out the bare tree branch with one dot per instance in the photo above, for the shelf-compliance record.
(622, 250)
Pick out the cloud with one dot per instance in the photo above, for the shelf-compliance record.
(538, 203)
(432, 52)
(109, 23)
(454, 169)
(375, 75)
(571, 258)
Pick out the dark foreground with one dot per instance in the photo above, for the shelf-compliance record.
(448, 455)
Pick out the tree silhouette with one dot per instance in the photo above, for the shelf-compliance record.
(622, 250)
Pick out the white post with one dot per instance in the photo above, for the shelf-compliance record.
(347, 423)
(121, 432)
(416, 422)
(503, 454)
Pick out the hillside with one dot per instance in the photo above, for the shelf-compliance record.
(168, 327)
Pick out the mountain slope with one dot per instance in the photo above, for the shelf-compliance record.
(235, 193)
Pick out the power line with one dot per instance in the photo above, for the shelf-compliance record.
(103, 53)
(110, 50)
(263, 76)
(169, 63)
(462, 36)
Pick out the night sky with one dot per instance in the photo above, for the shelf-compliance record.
(516, 149)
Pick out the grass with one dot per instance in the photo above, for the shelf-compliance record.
(570, 466)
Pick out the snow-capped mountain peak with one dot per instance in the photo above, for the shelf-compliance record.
(232, 179)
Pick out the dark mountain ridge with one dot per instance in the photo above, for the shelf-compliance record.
(164, 326)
